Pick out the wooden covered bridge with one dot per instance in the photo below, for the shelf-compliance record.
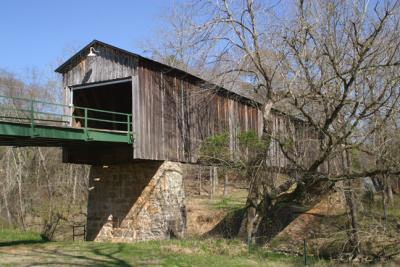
(142, 119)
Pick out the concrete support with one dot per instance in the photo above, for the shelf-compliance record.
(137, 201)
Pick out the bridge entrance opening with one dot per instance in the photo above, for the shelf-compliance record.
(114, 96)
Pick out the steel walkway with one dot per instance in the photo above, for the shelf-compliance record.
(27, 122)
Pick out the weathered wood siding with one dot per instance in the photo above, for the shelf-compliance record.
(109, 64)
(300, 141)
(174, 112)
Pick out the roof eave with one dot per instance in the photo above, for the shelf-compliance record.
(79, 53)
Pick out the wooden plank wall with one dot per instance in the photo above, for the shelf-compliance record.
(109, 64)
(173, 113)
(302, 139)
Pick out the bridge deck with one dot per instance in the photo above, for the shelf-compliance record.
(33, 127)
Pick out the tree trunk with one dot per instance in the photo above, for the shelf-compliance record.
(387, 197)
(8, 178)
(6, 206)
(384, 205)
(251, 218)
(18, 165)
(50, 226)
(75, 182)
(389, 191)
(352, 205)
(247, 226)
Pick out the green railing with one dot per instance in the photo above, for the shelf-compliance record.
(40, 113)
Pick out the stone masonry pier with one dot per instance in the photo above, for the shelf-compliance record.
(143, 200)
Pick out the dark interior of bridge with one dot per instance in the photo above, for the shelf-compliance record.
(115, 97)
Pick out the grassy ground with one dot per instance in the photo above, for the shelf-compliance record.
(228, 203)
(27, 249)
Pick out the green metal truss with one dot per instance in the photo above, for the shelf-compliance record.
(24, 120)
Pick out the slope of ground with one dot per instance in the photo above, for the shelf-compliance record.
(204, 213)
(309, 225)
(325, 229)
(27, 249)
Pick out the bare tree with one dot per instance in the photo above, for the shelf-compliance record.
(334, 64)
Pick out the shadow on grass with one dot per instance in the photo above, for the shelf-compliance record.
(22, 242)
(101, 256)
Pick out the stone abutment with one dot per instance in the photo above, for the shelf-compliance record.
(137, 201)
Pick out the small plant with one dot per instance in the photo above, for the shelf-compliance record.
(250, 142)
(215, 149)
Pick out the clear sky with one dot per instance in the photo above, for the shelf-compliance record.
(40, 33)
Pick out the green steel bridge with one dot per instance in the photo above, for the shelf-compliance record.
(28, 122)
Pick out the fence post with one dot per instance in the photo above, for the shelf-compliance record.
(226, 184)
(215, 181)
(199, 176)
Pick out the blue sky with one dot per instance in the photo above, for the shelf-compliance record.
(40, 33)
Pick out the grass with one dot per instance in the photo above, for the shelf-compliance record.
(227, 203)
(234, 201)
(15, 236)
(29, 249)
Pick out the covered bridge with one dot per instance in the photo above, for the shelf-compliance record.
(172, 110)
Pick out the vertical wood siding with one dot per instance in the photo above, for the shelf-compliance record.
(109, 64)
(176, 114)
(173, 112)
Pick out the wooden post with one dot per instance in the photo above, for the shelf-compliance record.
(211, 182)
(226, 185)
(215, 180)
(199, 175)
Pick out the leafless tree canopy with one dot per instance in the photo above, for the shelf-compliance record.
(333, 64)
